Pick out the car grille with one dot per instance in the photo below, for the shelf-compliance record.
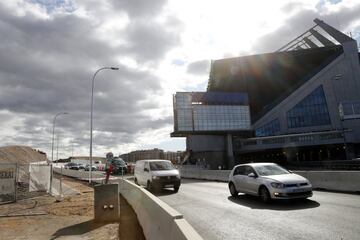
(296, 185)
(168, 178)
(299, 194)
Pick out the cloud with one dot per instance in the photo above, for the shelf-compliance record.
(302, 20)
(140, 8)
(151, 40)
(46, 66)
(199, 67)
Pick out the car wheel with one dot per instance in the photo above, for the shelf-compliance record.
(232, 189)
(176, 189)
(264, 194)
(136, 182)
(148, 186)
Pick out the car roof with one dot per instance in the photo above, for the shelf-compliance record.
(153, 160)
(256, 164)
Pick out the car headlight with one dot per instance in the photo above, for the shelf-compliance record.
(178, 176)
(155, 177)
(277, 185)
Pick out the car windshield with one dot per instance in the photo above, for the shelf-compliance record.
(119, 162)
(267, 170)
(161, 165)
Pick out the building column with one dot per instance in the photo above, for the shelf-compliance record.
(229, 151)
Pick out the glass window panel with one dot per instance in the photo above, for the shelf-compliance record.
(311, 111)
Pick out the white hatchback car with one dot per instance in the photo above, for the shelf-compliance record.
(269, 181)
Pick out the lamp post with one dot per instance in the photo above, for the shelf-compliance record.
(52, 147)
(53, 134)
(91, 115)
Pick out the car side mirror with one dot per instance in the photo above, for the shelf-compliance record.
(146, 170)
(252, 175)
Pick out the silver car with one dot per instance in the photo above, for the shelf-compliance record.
(269, 181)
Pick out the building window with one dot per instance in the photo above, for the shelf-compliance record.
(351, 108)
(311, 111)
(268, 129)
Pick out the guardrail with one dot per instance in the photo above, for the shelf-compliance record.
(328, 180)
(158, 220)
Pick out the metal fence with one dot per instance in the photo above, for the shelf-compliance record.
(20, 181)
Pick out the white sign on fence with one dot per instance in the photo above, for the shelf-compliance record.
(7, 182)
(39, 177)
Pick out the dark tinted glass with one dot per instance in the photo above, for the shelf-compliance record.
(311, 111)
(239, 170)
(268, 129)
(161, 165)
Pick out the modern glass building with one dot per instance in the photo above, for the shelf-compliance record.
(298, 105)
(211, 112)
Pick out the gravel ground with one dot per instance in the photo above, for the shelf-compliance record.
(45, 218)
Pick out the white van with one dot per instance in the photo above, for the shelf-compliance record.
(157, 174)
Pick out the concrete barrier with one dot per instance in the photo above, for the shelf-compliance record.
(333, 180)
(158, 220)
(329, 180)
(83, 175)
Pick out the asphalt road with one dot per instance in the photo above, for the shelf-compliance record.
(210, 209)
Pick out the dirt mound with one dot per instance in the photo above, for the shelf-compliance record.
(21, 154)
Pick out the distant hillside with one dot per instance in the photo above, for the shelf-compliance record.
(87, 158)
(21, 154)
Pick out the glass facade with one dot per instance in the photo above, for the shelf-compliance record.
(268, 129)
(311, 111)
(221, 117)
(183, 112)
(208, 116)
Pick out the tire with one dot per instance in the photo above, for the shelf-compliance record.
(148, 186)
(176, 189)
(232, 190)
(136, 181)
(264, 194)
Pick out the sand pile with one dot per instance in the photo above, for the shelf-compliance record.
(21, 154)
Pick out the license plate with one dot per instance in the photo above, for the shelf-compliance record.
(299, 190)
(169, 185)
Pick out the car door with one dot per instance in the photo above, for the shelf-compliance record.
(238, 178)
(140, 173)
(146, 173)
(251, 184)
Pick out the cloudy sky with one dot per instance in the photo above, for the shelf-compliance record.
(50, 49)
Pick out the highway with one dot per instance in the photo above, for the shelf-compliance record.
(210, 209)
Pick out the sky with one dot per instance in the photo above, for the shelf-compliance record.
(50, 49)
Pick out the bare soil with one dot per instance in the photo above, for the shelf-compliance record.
(21, 154)
(44, 217)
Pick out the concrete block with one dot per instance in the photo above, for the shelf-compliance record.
(182, 230)
(106, 203)
(158, 220)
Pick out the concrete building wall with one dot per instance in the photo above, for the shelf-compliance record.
(198, 143)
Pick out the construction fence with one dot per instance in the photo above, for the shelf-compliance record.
(20, 181)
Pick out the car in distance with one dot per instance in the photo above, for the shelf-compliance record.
(119, 166)
(157, 174)
(71, 165)
(81, 166)
(269, 181)
(87, 168)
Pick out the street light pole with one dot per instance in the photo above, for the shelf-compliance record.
(53, 134)
(91, 114)
(52, 148)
